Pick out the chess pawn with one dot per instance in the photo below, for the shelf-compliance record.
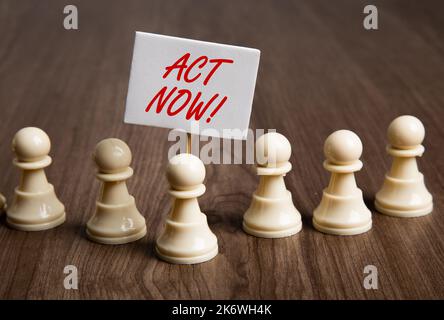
(342, 210)
(116, 219)
(272, 213)
(403, 193)
(186, 238)
(2, 203)
(35, 206)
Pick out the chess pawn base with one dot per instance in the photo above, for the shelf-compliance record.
(187, 239)
(404, 198)
(187, 243)
(272, 218)
(35, 211)
(116, 224)
(272, 213)
(342, 215)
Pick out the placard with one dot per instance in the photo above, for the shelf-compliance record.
(176, 82)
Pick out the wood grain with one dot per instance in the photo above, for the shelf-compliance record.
(320, 71)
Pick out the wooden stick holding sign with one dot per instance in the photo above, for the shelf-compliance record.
(188, 150)
(175, 83)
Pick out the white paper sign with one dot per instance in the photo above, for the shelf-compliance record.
(175, 82)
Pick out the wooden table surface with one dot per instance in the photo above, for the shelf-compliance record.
(320, 71)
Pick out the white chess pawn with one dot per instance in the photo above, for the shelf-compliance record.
(116, 219)
(2, 203)
(186, 239)
(35, 206)
(342, 210)
(272, 213)
(404, 193)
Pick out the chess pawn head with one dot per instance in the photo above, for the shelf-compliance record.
(116, 219)
(35, 206)
(273, 150)
(406, 132)
(185, 171)
(112, 155)
(272, 213)
(343, 147)
(186, 238)
(31, 144)
(403, 193)
(342, 210)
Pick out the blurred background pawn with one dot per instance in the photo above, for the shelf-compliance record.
(2, 203)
